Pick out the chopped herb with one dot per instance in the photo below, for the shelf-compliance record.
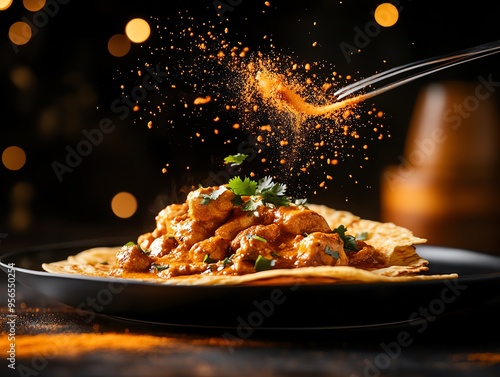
(362, 236)
(246, 187)
(262, 192)
(274, 255)
(207, 198)
(333, 253)
(228, 260)
(104, 262)
(132, 243)
(207, 259)
(252, 204)
(349, 241)
(160, 267)
(236, 159)
(263, 264)
(256, 237)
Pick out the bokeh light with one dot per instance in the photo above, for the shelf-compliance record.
(124, 204)
(137, 30)
(5, 4)
(20, 33)
(13, 157)
(119, 45)
(22, 193)
(34, 5)
(23, 77)
(386, 15)
(20, 219)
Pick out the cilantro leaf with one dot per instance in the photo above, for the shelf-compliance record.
(245, 187)
(256, 237)
(252, 204)
(349, 241)
(270, 197)
(160, 267)
(263, 264)
(132, 243)
(236, 159)
(208, 260)
(272, 193)
(333, 253)
(262, 192)
(228, 260)
(266, 184)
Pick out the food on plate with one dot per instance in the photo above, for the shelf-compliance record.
(250, 232)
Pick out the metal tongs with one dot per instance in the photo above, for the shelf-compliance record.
(429, 66)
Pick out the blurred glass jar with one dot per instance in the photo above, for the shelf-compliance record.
(446, 187)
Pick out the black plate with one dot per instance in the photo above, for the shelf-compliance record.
(265, 307)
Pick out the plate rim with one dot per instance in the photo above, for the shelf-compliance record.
(474, 280)
(92, 242)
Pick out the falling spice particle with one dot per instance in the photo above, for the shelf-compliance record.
(292, 130)
(202, 100)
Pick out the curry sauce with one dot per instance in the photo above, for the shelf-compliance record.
(218, 232)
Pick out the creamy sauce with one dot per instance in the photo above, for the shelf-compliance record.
(218, 237)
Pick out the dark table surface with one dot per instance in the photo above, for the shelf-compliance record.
(53, 339)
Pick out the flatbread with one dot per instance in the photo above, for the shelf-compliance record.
(99, 262)
(396, 244)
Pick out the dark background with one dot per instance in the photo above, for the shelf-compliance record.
(76, 80)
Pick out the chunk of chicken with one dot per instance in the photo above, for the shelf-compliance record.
(246, 238)
(321, 249)
(162, 246)
(299, 220)
(189, 231)
(210, 204)
(216, 248)
(163, 224)
(131, 258)
(242, 220)
(166, 215)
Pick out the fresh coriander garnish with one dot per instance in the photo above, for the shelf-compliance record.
(132, 243)
(242, 187)
(236, 159)
(262, 192)
(333, 253)
(160, 267)
(228, 260)
(209, 260)
(256, 237)
(263, 264)
(349, 241)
